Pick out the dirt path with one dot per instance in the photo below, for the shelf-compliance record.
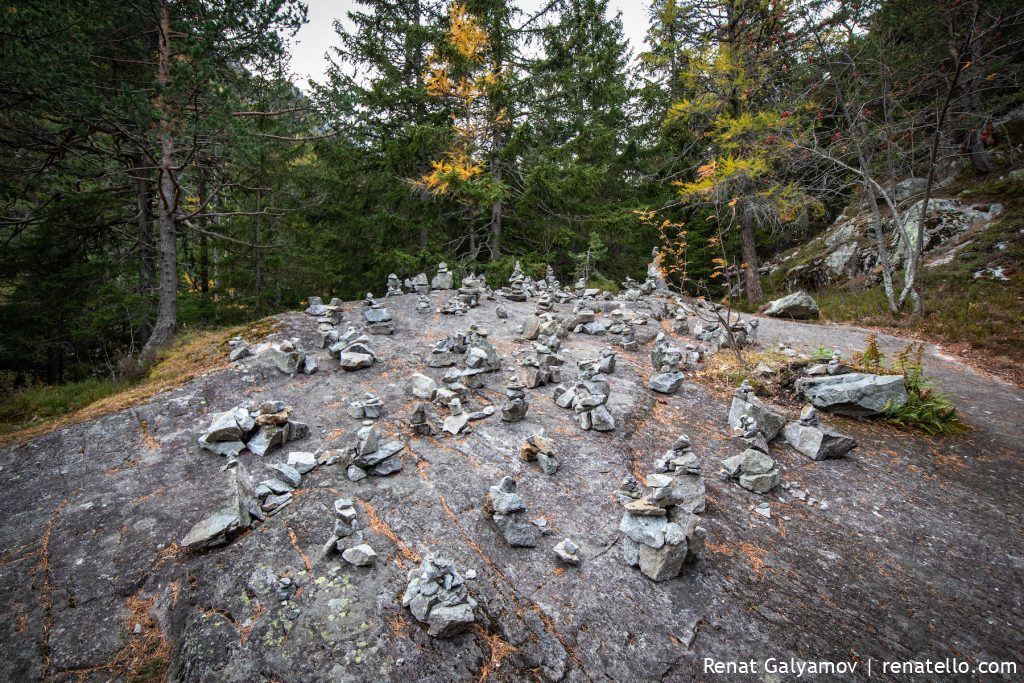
(993, 407)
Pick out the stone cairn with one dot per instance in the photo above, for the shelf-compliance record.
(631, 290)
(628, 341)
(252, 427)
(541, 450)
(239, 349)
(809, 438)
(436, 595)
(394, 286)
(661, 530)
(515, 291)
(754, 468)
(276, 492)
(543, 367)
(367, 455)
(421, 425)
(367, 408)
(508, 512)
(378, 319)
(515, 406)
(587, 397)
(471, 290)
(604, 365)
(352, 350)
(328, 317)
(418, 284)
(666, 359)
(745, 403)
(347, 537)
(655, 281)
(423, 304)
(443, 279)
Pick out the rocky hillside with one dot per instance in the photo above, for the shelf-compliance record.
(313, 548)
(973, 279)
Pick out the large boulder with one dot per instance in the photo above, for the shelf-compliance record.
(798, 305)
(769, 421)
(855, 394)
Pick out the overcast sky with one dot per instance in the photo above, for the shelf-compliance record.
(317, 36)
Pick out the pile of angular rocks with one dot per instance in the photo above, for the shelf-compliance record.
(540, 449)
(666, 359)
(233, 507)
(288, 357)
(587, 397)
(253, 427)
(276, 492)
(755, 470)
(515, 406)
(745, 403)
(368, 408)
(443, 279)
(661, 531)
(368, 456)
(378, 318)
(808, 437)
(508, 512)
(347, 536)
(436, 595)
(352, 351)
(604, 365)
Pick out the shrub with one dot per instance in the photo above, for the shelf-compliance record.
(926, 409)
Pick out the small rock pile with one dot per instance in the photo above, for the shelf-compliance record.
(745, 403)
(443, 279)
(234, 506)
(515, 290)
(418, 284)
(661, 531)
(352, 351)
(628, 341)
(755, 469)
(394, 286)
(423, 304)
(347, 537)
(604, 365)
(378, 319)
(368, 408)
(472, 289)
(808, 437)
(540, 449)
(239, 349)
(666, 359)
(508, 512)
(421, 425)
(368, 456)
(515, 406)
(587, 397)
(436, 595)
(328, 317)
(276, 493)
(252, 427)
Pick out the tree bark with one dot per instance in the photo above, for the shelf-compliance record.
(750, 266)
(167, 309)
(204, 246)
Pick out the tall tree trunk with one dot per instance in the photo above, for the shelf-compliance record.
(975, 145)
(167, 310)
(496, 214)
(204, 248)
(750, 266)
(144, 234)
(257, 236)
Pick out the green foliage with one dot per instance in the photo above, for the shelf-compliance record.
(926, 409)
(40, 402)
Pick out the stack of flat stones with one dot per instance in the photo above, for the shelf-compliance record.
(515, 290)
(239, 349)
(604, 365)
(508, 512)
(587, 397)
(515, 406)
(443, 279)
(661, 531)
(811, 439)
(276, 492)
(352, 350)
(420, 423)
(436, 595)
(628, 341)
(328, 317)
(368, 456)
(418, 284)
(423, 304)
(755, 470)
(471, 290)
(378, 319)
(666, 359)
(394, 286)
(254, 427)
(347, 536)
(368, 408)
(541, 450)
